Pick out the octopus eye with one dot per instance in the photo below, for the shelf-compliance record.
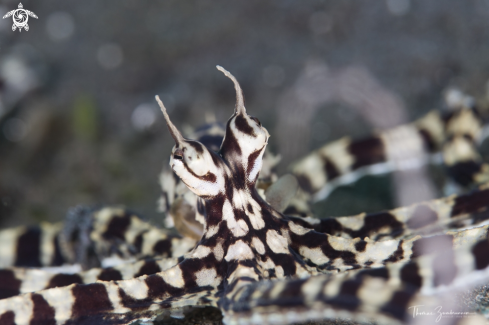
(256, 120)
(178, 154)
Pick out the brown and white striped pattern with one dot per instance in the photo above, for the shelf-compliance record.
(453, 212)
(454, 134)
(381, 294)
(110, 231)
(24, 280)
(260, 266)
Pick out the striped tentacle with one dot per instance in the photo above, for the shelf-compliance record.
(102, 233)
(116, 231)
(346, 157)
(365, 254)
(406, 146)
(337, 254)
(15, 281)
(453, 212)
(384, 294)
(116, 302)
(464, 163)
(33, 246)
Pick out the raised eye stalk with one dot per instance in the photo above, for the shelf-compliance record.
(240, 108)
(176, 135)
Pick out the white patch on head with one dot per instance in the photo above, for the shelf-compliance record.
(135, 288)
(239, 251)
(238, 228)
(62, 300)
(218, 252)
(207, 277)
(201, 187)
(174, 277)
(258, 245)
(200, 165)
(249, 143)
(200, 251)
(277, 243)
(297, 229)
(316, 255)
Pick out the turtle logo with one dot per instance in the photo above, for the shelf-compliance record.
(20, 17)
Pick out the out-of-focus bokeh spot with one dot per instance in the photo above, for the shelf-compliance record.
(60, 26)
(143, 116)
(110, 56)
(398, 7)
